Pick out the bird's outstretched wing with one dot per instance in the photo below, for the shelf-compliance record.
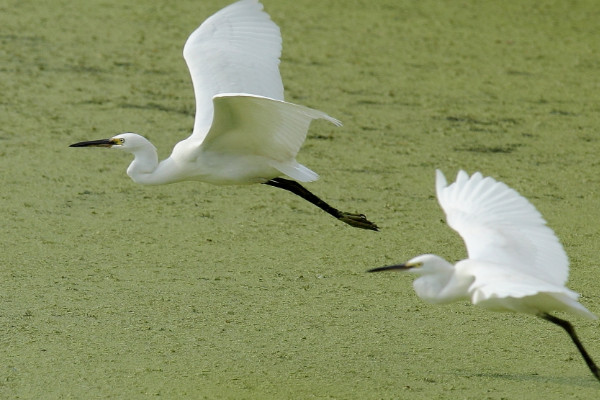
(499, 289)
(252, 125)
(236, 50)
(499, 225)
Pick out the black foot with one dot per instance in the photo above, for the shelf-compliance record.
(566, 325)
(357, 221)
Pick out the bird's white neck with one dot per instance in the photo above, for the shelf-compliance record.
(439, 282)
(145, 169)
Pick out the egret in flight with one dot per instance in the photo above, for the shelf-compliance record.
(244, 132)
(515, 262)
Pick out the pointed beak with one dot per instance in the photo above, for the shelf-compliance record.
(398, 267)
(95, 143)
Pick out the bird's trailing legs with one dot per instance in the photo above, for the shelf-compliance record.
(356, 220)
(566, 325)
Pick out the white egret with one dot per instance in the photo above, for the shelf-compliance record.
(244, 132)
(515, 262)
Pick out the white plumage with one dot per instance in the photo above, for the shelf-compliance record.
(244, 132)
(515, 262)
(512, 253)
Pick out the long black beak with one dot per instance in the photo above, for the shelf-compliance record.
(94, 143)
(390, 268)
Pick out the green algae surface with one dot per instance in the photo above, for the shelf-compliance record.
(113, 290)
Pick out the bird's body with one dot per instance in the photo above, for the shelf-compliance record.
(230, 156)
(244, 131)
(494, 286)
(515, 262)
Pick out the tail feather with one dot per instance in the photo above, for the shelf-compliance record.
(295, 171)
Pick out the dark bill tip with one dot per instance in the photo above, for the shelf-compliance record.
(94, 143)
(389, 268)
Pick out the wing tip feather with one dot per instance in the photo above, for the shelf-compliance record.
(440, 185)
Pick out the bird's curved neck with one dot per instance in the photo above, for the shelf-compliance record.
(444, 285)
(145, 168)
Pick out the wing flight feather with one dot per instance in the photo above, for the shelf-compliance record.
(236, 50)
(499, 225)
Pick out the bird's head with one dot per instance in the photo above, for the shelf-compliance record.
(421, 265)
(125, 141)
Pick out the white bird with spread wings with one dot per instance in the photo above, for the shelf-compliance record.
(515, 262)
(244, 132)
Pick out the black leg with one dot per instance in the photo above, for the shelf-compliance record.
(356, 220)
(566, 325)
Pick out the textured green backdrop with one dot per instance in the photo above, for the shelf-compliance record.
(113, 290)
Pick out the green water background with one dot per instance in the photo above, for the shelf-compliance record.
(114, 290)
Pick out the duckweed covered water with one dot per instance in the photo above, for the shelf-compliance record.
(114, 290)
